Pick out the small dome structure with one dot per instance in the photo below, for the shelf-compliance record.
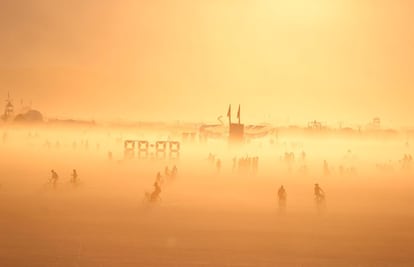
(31, 115)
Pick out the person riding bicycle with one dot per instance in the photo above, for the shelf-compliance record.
(54, 177)
(155, 194)
(167, 172)
(319, 193)
(174, 171)
(74, 179)
(158, 178)
(281, 194)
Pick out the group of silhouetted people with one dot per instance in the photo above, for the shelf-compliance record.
(351, 171)
(407, 161)
(154, 196)
(172, 173)
(49, 144)
(246, 164)
(215, 162)
(318, 192)
(289, 157)
(211, 158)
(55, 177)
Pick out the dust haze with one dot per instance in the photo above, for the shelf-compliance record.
(206, 215)
(115, 149)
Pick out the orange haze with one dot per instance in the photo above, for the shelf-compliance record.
(284, 61)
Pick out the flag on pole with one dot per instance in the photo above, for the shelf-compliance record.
(238, 114)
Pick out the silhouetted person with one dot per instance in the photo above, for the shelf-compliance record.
(156, 193)
(325, 168)
(158, 179)
(319, 193)
(303, 156)
(281, 193)
(218, 165)
(211, 158)
(54, 177)
(174, 171)
(166, 171)
(406, 161)
(74, 179)
(303, 169)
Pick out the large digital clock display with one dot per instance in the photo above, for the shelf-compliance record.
(144, 149)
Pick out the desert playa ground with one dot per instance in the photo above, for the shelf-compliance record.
(205, 218)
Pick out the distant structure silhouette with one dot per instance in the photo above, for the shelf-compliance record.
(30, 116)
(8, 110)
(375, 124)
(236, 130)
(315, 125)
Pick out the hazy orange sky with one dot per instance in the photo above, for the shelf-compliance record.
(283, 61)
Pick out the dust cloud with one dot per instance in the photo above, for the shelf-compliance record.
(207, 215)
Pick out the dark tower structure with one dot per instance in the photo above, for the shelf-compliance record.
(9, 109)
(236, 130)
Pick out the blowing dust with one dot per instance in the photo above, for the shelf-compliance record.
(220, 208)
